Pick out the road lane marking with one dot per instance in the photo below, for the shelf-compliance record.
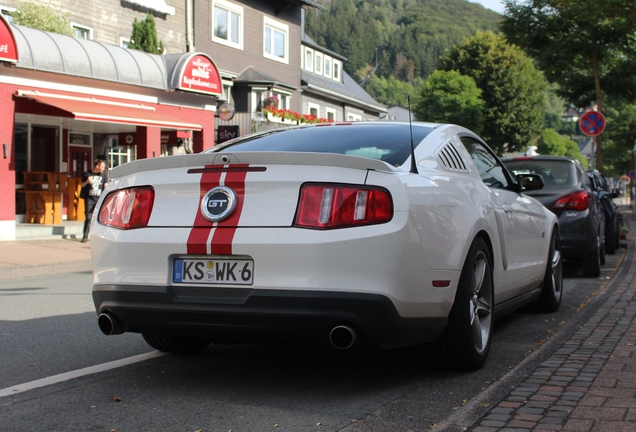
(67, 376)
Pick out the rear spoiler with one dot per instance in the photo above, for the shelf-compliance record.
(251, 158)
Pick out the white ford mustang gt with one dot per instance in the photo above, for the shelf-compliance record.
(325, 233)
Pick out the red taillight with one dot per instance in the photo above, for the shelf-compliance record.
(337, 206)
(127, 208)
(580, 201)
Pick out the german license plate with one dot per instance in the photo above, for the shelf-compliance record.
(213, 271)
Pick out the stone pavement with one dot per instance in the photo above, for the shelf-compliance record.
(588, 383)
(43, 257)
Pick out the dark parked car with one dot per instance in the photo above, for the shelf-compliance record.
(612, 223)
(569, 194)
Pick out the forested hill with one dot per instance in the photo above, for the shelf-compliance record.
(403, 38)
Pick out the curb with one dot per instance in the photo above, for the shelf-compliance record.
(45, 270)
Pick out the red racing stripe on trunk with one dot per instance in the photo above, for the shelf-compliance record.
(224, 233)
(198, 238)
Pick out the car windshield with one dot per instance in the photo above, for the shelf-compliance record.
(388, 142)
(556, 174)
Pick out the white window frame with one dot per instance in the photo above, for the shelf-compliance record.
(308, 65)
(123, 42)
(75, 26)
(337, 76)
(284, 99)
(354, 117)
(332, 112)
(230, 8)
(254, 91)
(274, 26)
(310, 106)
(318, 59)
(328, 65)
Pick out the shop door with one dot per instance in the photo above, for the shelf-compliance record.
(80, 160)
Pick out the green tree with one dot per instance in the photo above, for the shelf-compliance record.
(513, 90)
(554, 144)
(41, 17)
(391, 91)
(588, 47)
(620, 133)
(144, 36)
(450, 97)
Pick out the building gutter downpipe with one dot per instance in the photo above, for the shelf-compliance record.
(189, 25)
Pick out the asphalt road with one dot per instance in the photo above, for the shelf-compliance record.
(48, 327)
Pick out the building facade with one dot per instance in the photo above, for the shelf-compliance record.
(250, 50)
(65, 101)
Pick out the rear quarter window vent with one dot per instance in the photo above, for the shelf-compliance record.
(450, 158)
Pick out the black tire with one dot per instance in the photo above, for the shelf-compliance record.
(465, 343)
(591, 265)
(617, 234)
(602, 253)
(610, 244)
(552, 289)
(175, 344)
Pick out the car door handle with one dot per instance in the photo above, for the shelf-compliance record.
(507, 208)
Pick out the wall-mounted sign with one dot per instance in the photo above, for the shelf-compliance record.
(226, 133)
(168, 137)
(82, 139)
(126, 139)
(200, 74)
(8, 47)
(226, 111)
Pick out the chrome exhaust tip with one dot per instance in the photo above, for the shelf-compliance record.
(342, 337)
(109, 325)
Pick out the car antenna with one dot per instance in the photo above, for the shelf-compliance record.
(413, 164)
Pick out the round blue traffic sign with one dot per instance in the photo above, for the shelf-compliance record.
(592, 123)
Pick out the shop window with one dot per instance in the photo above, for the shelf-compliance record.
(119, 155)
(337, 67)
(82, 32)
(331, 114)
(276, 41)
(308, 59)
(21, 143)
(228, 24)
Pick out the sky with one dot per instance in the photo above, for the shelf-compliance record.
(496, 5)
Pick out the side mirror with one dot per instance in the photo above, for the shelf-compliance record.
(603, 194)
(530, 182)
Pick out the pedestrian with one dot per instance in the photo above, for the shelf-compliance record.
(93, 184)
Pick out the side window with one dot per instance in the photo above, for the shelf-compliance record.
(489, 168)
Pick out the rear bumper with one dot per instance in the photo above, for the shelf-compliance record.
(578, 231)
(247, 315)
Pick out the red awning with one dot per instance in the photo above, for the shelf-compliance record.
(91, 109)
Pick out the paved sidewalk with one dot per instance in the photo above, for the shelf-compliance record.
(587, 384)
(43, 257)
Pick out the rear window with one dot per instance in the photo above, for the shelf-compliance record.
(556, 174)
(387, 142)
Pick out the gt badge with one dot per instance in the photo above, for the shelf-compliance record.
(218, 203)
